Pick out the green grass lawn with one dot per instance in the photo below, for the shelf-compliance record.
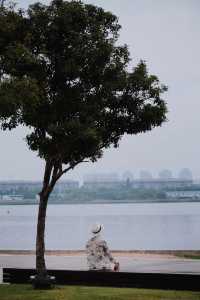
(25, 292)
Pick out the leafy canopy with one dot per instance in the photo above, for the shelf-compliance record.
(63, 75)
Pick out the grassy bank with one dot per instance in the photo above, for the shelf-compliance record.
(24, 292)
(191, 254)
(188, 254)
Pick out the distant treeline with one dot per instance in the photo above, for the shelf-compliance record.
(122, 193)
(193, 187)
(89, 195)
(83, 194)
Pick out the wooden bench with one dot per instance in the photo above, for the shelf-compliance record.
(113, 279)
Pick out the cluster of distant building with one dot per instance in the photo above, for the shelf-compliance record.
(179, 187)
(35, 185)
(165, 180)
(12, 190)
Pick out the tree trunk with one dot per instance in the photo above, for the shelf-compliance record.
(40, 240)
(51, 175)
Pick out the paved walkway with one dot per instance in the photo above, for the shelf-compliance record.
(127, 263)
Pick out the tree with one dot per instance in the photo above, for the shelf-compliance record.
(63, 76)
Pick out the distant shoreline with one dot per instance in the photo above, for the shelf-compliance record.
(130, 253)
(106, 202)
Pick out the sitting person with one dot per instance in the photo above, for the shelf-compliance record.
(99, 257)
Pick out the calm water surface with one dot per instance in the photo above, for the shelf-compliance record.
(152, 226)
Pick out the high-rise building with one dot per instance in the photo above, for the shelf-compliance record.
(165, 174)
(185, 173)
(127, 176)
(145, 175)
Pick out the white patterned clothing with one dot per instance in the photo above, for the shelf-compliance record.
(98, 254)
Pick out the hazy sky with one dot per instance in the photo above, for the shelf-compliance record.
(166, 35)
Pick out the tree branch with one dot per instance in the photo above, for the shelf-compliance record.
(72, 166)
(47, 175)
(58, 172)
(57, 166)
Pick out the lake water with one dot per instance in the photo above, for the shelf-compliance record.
(152, 226)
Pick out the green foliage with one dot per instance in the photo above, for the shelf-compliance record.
(24, 292)
(84, 195)
(110, 194)
(63, 75)
(192, 187)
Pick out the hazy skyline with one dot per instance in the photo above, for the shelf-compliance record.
(166, 35)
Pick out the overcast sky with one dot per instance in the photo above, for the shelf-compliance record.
(166, 35)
